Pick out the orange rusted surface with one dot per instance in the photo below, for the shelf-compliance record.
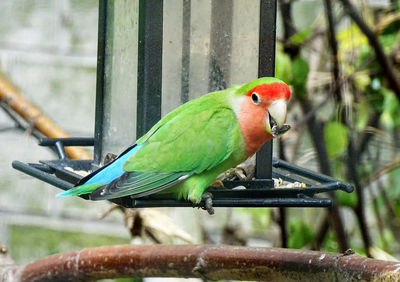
(10, 95)
(208, 262)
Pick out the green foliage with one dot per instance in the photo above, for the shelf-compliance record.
(388, 41)
(336, 138)
(387, 237)
(283, 65)
(300, 71)
(293, 72)
(390, 117)
(363, 112)
(300, 234)
(300, 36)
(394, 189)
(361, 81)
(260, 217)
(347, 200)
(330, 243)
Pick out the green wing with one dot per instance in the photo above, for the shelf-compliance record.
(194, 138)
(192, 143)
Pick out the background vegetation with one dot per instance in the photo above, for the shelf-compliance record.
(344, 72)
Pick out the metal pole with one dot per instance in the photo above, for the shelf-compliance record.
(266, 67)
(100, 83)
(149, 64)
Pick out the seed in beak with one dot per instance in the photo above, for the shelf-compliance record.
(275, 130)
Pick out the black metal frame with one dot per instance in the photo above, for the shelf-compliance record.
(259, 192)
(60, 173)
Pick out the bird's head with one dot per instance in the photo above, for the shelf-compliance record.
(267, 97)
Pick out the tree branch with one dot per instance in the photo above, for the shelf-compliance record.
(207, 262)
(33, 116)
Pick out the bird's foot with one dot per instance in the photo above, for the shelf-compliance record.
(208, 204)
(236, 173)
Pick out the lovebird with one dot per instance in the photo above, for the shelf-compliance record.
(186, 150)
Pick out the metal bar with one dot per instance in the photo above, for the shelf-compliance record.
(220, 44)
(70, 141)
(149, 64)
(237, 202)
(48, 178)
(266, 67)
(186, 19)
(310, 174)
(208, 262)
(100, 82)
(60, 150)
(43, 167)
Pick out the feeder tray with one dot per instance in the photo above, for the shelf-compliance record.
(64, 173)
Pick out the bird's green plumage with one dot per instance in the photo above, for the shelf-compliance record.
(195, 138)
(185, 151)
(202, 138)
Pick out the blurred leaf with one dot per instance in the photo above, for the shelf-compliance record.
(260, 217)
(394, 186)
(364, 59)
(390, 116)
(346, 199)
(330, 243)
(361, 81)
(388, 41)
(300, 36)
(351, 37)
(390, 102)
(380, 254)
(283, 66)
(352, 42)
(362, 116)
(387, 119)
(386, 237)
(300, 234)
(300, 71)
(336, 138)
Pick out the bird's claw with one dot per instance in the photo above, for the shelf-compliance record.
(208, 204)
(236, 173)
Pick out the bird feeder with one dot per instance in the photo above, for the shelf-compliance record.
(155, 55)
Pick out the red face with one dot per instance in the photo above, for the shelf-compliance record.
(264, 94)
(264, 107)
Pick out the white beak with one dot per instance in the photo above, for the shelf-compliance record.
(277, 110)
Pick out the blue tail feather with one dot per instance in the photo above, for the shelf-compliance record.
(102, 176)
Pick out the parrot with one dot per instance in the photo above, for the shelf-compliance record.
(184, 152)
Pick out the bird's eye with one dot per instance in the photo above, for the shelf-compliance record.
(255, 98)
